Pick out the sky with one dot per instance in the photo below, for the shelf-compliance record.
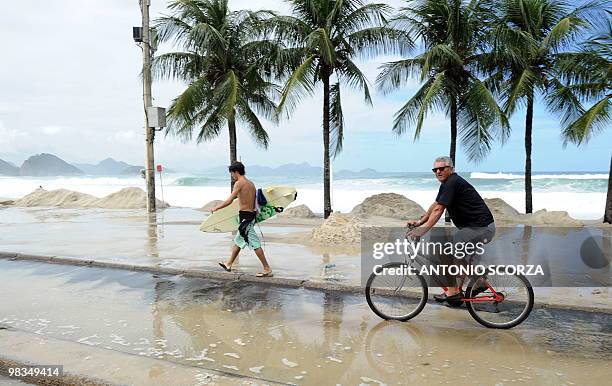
(70, 86)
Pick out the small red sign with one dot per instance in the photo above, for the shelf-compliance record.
(159, 168)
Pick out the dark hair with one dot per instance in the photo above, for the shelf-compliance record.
(237, 167)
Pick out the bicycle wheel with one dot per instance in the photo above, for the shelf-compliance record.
(396, 296)
(514, 306)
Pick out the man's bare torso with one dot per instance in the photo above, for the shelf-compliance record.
(246, 194)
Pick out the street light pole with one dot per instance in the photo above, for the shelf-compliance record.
(146, 91)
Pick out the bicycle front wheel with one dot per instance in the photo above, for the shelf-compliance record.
(394, 294)
(512, 306)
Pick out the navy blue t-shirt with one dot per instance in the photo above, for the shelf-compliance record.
(464, 204)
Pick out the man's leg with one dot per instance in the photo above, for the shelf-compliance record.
(262, 257)
(233, 256)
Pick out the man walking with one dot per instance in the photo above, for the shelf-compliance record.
(245, 191)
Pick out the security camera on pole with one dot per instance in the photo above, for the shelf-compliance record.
(154, 116)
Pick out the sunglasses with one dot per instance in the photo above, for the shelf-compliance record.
(441, 168)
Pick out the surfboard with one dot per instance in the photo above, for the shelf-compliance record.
(226, 219)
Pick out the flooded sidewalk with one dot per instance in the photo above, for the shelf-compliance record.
(287, 335)
(171, 239)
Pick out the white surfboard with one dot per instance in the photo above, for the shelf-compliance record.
(226, 219)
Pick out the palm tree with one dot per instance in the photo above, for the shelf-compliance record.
(533, 37)
(587, 75)
(322, 40)
(225, 70)
(452, 33)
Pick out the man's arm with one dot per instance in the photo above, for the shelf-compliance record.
(423, 219)
(230, 199)
(435, 212)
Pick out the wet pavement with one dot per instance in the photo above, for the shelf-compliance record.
(170, 238)
(275, 334)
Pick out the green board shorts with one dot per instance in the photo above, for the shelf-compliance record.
(253, 243)
(265, 212)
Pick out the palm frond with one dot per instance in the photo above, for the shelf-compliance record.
(370, 42)
(594, 120)
(519, 87)
(395, 74)
(355, 78)
(319, 40)
(428, 97)
(336, 119)
(256, 129)
(299, 84)
(561, 99)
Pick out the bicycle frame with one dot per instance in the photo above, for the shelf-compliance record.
(495, 297)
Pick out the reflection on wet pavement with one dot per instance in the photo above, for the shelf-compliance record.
(168, 238)
(296, 335)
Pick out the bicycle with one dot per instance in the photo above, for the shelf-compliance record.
(495, 301)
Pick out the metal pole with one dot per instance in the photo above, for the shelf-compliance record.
(146, 91)
(161, 185)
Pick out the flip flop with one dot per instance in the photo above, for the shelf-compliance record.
(225, 267)
(264, 274)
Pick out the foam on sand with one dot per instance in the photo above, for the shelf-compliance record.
(127, 198)
(339, 229)
(390, 205)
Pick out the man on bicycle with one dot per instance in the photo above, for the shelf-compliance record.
(467, 210)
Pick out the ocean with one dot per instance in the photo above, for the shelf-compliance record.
(581, 194)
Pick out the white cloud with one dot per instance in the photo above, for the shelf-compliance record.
(126, 136)
(10, 139)
(52, 130)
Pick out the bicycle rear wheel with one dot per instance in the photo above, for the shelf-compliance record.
(512, 309)
(396, 296)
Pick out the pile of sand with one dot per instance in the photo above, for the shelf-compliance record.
(60, 197)
(207, 207)
(554, 218)
(501, 210)
(503, 214)
(388, 205)
(339, 229)
(128, 198)
(300, 211)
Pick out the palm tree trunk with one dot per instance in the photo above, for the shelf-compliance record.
(528, 130)
(231, 125)
(608, 211)
(453, 144)
(453, 122)
(326, 173)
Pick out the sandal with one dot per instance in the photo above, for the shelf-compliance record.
(225, 267)
(265, 274)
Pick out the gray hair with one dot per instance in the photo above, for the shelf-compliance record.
(447, 160)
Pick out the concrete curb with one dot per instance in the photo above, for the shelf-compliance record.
(234, 276)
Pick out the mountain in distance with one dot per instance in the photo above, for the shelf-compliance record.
(47, 165)
(131, 170)
(8, 169)
(301, 169)
(107, 167)
(258, 170)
